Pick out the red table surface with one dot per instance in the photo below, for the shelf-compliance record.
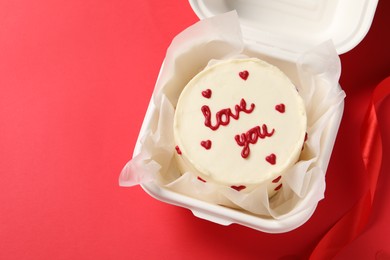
(75, 81)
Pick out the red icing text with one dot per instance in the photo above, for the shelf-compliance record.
(223, 116)
(251, 137)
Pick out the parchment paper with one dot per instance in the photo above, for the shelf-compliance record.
(220, 38)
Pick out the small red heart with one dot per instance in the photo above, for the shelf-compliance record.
(244, 74)
(271, 158)
(206, 144)
(281, 108)
(277, 179)
(206, 93)
(238, 188)
(278, 187)
(178, 150)
(202, 180)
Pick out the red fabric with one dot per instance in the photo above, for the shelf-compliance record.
(355, 220)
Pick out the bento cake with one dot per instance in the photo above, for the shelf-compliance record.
(239, 123)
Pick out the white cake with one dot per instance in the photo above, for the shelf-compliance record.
(239, 123)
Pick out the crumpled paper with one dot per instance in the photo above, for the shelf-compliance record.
(220, 38)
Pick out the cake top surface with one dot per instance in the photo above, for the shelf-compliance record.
(240, 122)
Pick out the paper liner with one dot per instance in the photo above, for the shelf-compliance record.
(220, 38)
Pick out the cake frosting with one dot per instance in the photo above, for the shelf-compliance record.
(239, 123)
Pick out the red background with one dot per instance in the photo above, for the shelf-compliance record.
(75, 81)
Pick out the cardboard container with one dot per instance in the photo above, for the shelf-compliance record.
(277, 31)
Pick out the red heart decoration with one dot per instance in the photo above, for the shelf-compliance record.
(238, 188)
(178, 150)
(244, 74)
(206, 144)
(281, 108)
(206, 93)
(202, 180)
(278, 187)
(271, 158)
(277, 179)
